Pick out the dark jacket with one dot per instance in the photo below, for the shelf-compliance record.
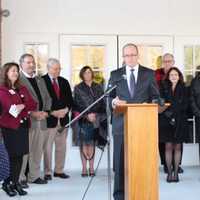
(85, 96)
(195, 95)
(173, 125)
(195, 102)
(64, 101)
(146, 90)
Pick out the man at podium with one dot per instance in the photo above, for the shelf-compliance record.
(135, 84)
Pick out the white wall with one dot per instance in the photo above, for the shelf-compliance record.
(90, 16)
(169, 17)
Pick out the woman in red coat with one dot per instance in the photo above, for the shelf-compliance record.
(17, 104)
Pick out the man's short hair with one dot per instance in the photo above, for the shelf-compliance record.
(168, 54)
(52, 61)
(130, 45)
(21, 60)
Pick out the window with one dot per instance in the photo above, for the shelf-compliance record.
(91, 55)
(40, 53)
(150, 55)
(191, 61)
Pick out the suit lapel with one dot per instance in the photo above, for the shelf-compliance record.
(124, 82)
(139, 80)
(28, 85)
(60, 87)
(40, 87)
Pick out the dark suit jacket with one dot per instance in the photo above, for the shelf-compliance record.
(64, 101)
(146, 90)
(178, 106)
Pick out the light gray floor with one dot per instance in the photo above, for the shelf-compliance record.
(73, 188)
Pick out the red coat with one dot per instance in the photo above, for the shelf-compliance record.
(8, 98)
(160, 75)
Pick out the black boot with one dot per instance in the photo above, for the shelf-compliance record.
(19, 189)
(7, 187)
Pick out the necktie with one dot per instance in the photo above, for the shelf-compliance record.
(56, 88)
(132, 83)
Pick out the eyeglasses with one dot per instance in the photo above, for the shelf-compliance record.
(168, 61)
(130, 55)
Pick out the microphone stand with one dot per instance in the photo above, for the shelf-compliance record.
(60, 130)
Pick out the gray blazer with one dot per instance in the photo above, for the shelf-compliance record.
(45, 99)
(146, 91)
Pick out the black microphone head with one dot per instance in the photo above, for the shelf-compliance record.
(155, 101)
(124, 76)
(161, 101)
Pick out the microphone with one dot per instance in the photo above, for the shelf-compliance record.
(160, 101)
(124, 77)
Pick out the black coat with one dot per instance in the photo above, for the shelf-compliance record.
(84, 96)
(195, 102)
(173, 125)
(64, 101)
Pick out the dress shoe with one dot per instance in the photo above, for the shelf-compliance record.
(84, 174)
(48, 177)
(169, 178)
(176, 178)
(40, 181)
(165, 169)
(19, 189)
(24, 184)
(9, 190)
(91, 173)
(180, 170)
(61, 175)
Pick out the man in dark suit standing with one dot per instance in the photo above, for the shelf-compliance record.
(135, 84)
(61, 96)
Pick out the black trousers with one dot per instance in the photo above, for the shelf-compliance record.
(118, 192)
(15, 169)
(162, 153)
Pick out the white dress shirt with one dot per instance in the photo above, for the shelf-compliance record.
(128, 73)
(52, 79)
(27, 75)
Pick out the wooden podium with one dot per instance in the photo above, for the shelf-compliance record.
(141, 151)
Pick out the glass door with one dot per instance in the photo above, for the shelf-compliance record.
(76, 51)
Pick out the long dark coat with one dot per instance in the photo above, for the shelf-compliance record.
(173, 125)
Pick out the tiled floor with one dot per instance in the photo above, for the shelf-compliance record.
(73, 188)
